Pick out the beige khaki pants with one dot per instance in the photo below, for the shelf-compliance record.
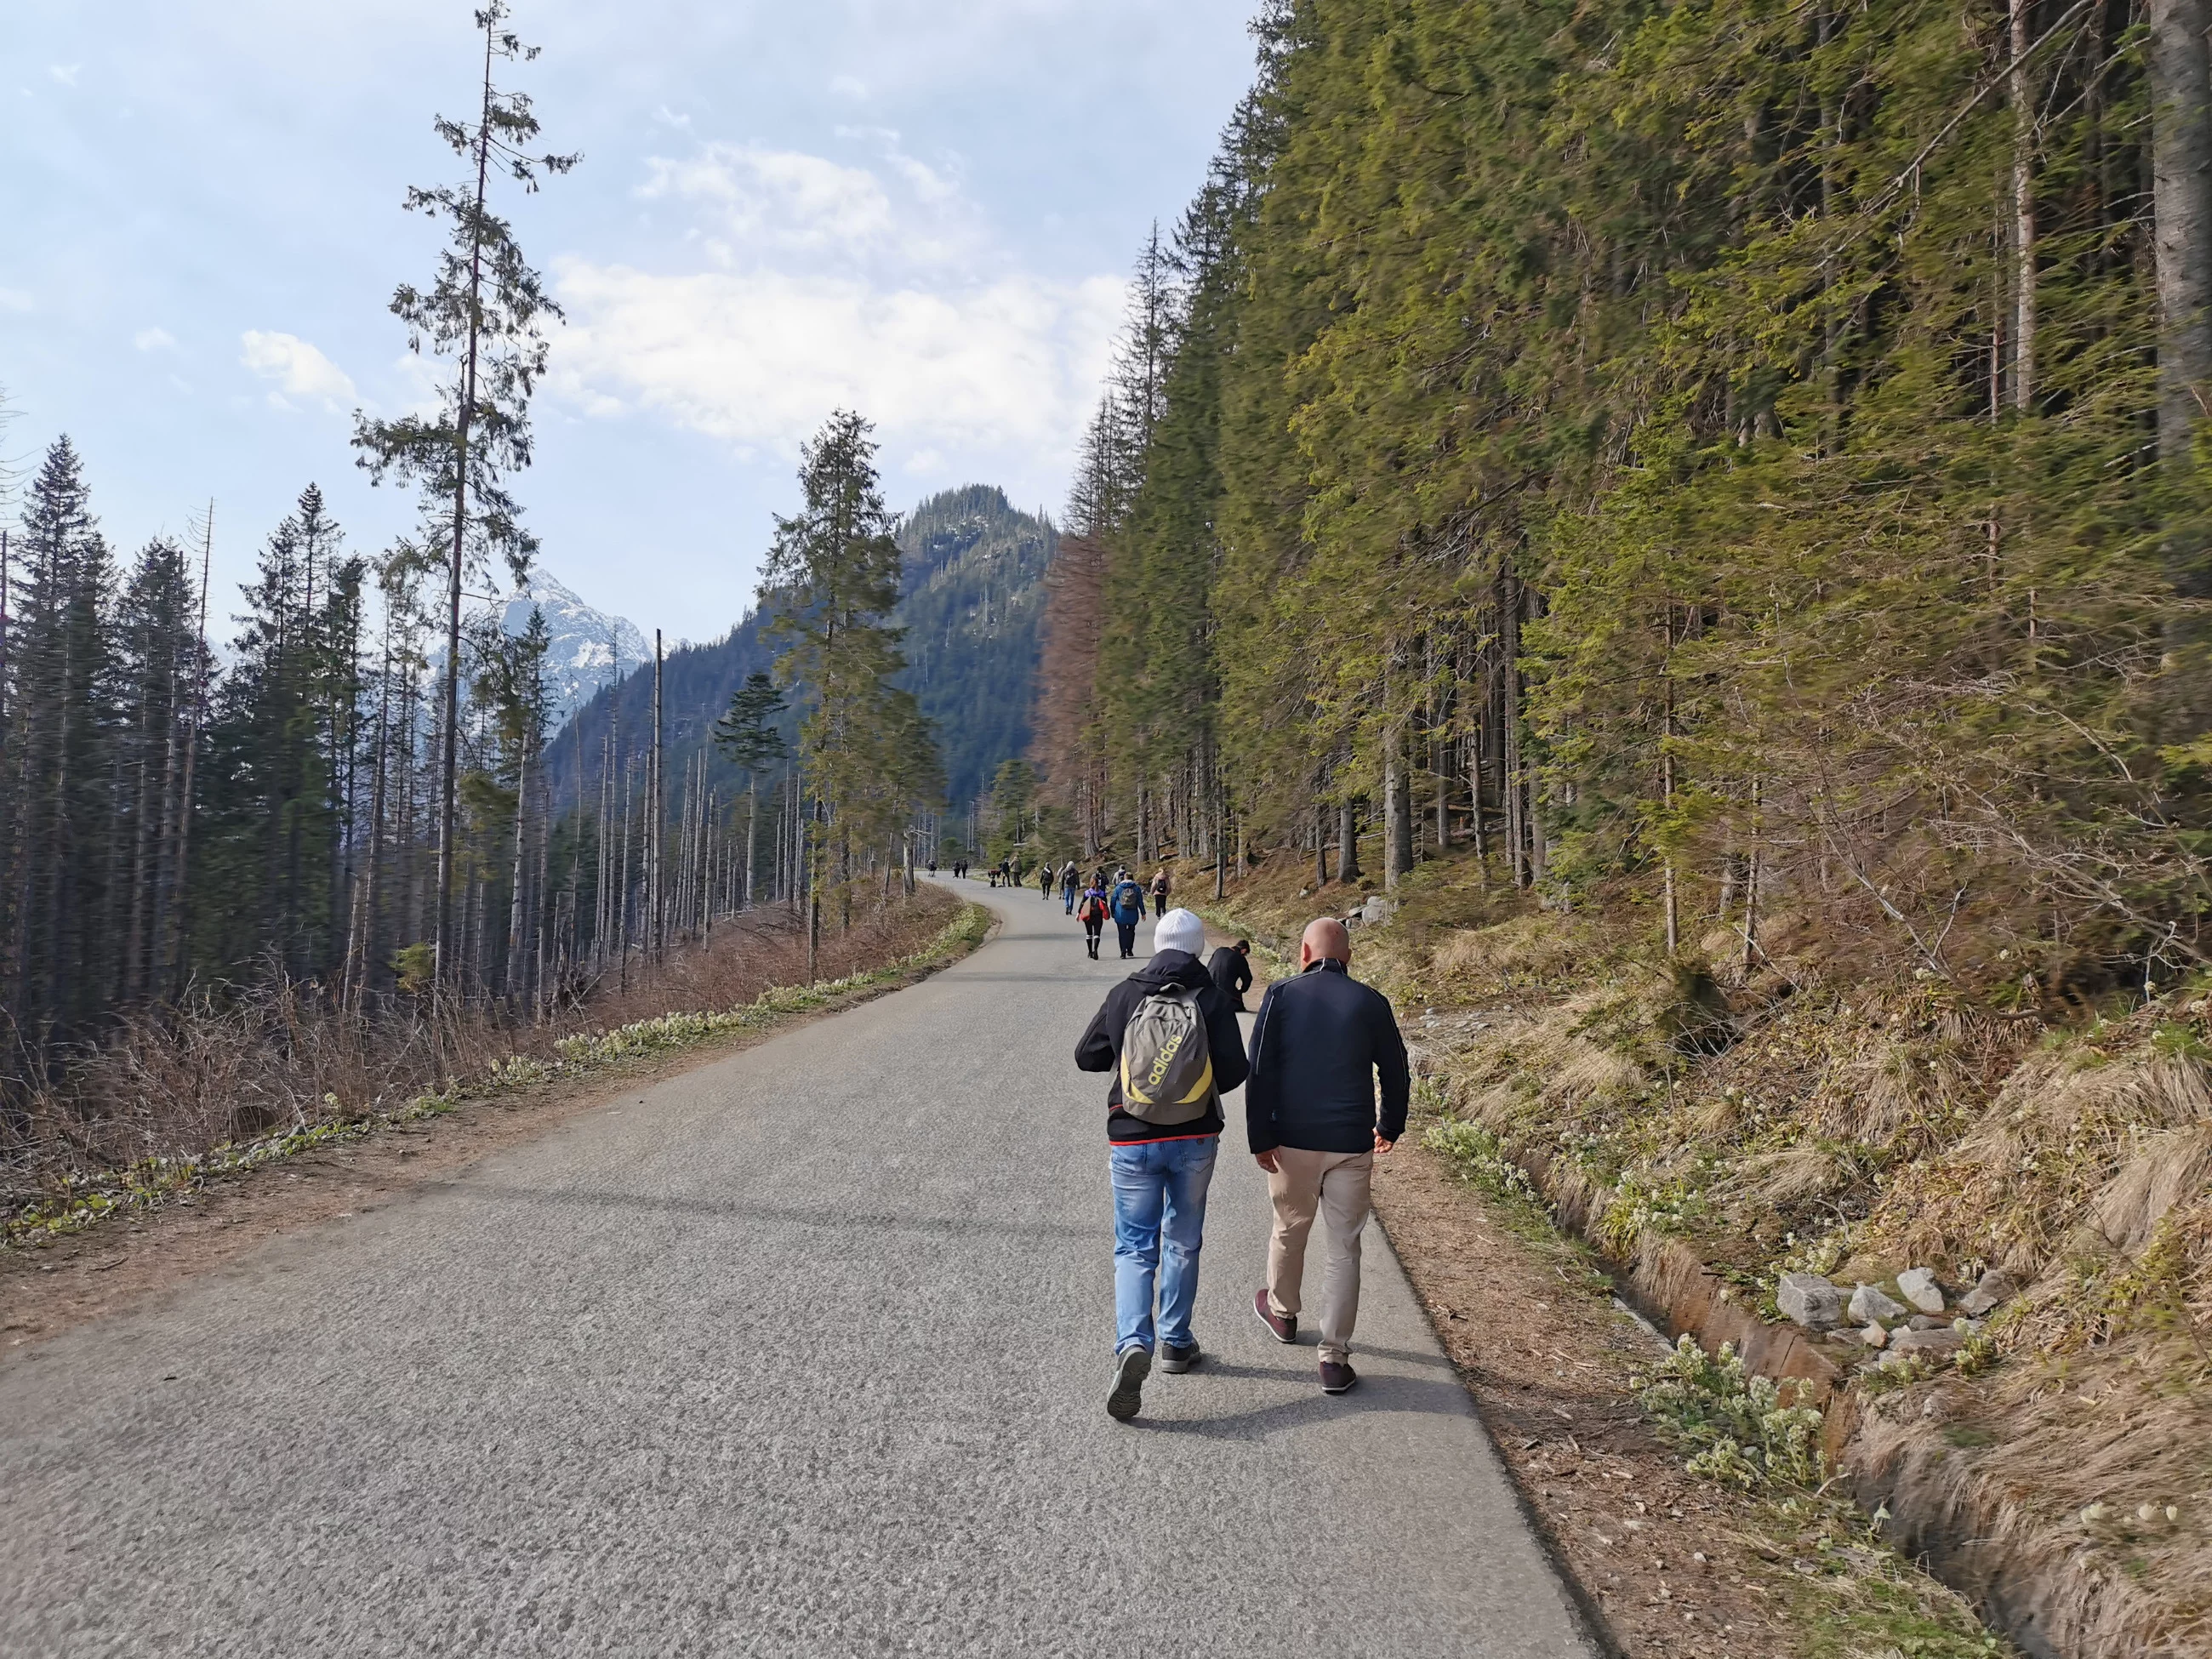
(1336, 1185)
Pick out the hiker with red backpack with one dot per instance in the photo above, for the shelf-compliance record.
(1172, 1042)
(1091, 913)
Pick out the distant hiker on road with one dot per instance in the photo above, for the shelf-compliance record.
(1093, 914)
(1160, 892)
(1068, 879)
(1319, 1043)
(1231, 968)
(1128, 904)
(1045, 876)
(1174, 1047)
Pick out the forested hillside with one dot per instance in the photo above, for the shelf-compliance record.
(1706, 504)
(1694, 454)
(971, 599)
(971, 603)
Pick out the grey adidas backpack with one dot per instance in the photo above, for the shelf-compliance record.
(1167, 1071)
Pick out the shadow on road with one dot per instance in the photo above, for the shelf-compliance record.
(1374, 1394)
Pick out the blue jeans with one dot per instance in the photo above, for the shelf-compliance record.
(1159, 1222)
(1068, 893)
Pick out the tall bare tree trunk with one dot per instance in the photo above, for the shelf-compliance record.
(1397, 811)
(2181, 163)
(2023, 210)
(1509, 718)
(449, 759)
(180, 898)
(652, 808)
(515, 897)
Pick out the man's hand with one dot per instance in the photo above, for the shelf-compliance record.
(1381, 1144)
(1268, 1161)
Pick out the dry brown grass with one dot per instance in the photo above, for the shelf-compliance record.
(282, 1056)
(1859, 1123)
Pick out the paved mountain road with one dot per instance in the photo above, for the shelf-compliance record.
(802, 1352)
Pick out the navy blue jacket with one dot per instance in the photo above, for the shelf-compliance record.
(1320, 1041)
(1100, 1050)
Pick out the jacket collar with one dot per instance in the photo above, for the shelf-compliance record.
(1175, 968)
(1330, 964)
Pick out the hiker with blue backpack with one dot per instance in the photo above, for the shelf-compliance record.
(1126, 902)
(1171, 1041)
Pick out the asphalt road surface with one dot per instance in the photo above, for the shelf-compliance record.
(803, 1352)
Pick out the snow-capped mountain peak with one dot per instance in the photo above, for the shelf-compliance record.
(590, 648)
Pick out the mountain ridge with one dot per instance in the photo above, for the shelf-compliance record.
(972, 595)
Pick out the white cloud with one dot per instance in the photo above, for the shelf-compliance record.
(14, 299)
(297, 368)
(759, 359)
(818, 284)
(154, 339)
(849, 86)
(777, 200)
(66, 73)
(424, 395)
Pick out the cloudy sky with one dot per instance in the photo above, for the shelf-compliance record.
(921, 209)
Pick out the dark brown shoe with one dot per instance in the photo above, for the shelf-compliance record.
(1283, 1330)
(1337, 1379)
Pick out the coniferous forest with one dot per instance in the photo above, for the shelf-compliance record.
(1688, 455)
(319, 851)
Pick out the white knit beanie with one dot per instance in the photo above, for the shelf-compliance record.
(1179, 930)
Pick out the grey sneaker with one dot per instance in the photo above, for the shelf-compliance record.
(1337, 1378)
(1175, 1360)
(1130, 1367)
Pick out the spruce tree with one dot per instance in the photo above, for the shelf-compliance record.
(746, 734)
(484, 313)
(829, 581)
(161, 663)
(65, 720)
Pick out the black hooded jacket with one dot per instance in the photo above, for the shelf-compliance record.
(1100, 1050)
(1232, 971)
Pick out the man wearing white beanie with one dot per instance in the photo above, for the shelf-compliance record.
(1171, 1039)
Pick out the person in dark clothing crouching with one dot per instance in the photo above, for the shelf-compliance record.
(1320, 1043)
(1171, 1039)
(1231, 968)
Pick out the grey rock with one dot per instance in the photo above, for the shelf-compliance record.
(1992, 1288)
(1936, 1344)
(1810, 1300)
(1928, 1322)
(1918, 1286)
(1868, 1304)
(1377, 910)
(1873, 1335)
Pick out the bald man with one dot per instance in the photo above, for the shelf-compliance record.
(1321, 1044)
